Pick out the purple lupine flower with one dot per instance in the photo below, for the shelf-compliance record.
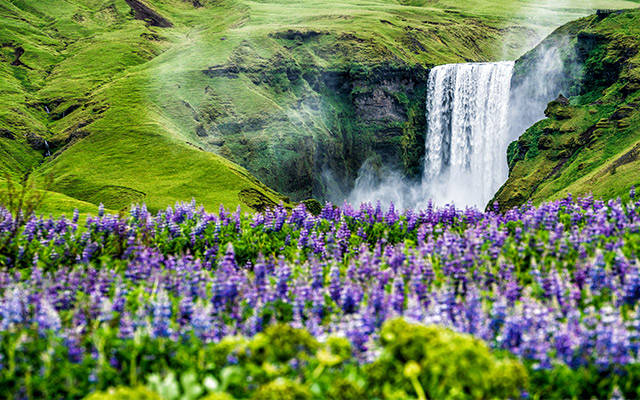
(75, 351)
(88, 252)
(283, 273)
(126, 328)
(253, 325)
(229, 260)
(280, 217)
(12, 308)
(161, 315)
(335, 285)
(119, 299)
(631, 288)
(303, 239)
(260, 274)
(317, 277)
(498, 315)
(343, 235)
(351, 297)
(318, 304)
(512, 291)
(185, 310)
(300, 295)
(201, 322)
(397, 297)
(461, 274)
(391, 217)
(47, 318)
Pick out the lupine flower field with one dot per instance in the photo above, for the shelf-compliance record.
(538, 302)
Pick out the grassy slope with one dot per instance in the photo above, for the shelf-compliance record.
(593, 144)
(125, 99)
(130, 153)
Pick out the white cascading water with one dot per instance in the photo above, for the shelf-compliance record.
(466, 141)
(467, 132)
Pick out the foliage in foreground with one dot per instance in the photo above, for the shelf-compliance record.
(416, 361)
(190, 303)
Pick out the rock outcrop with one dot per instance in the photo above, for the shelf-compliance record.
(336, 120)
(145, 13)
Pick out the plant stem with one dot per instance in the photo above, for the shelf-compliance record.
(418, 388)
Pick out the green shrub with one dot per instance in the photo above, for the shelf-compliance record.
(218, 396)
(437, 363)
(282, 389)
(125, 393)
(287, 342)
(344, 389)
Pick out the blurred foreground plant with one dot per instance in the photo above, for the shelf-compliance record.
(437, 363)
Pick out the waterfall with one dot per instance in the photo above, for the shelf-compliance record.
(467, 112)
(467, 132)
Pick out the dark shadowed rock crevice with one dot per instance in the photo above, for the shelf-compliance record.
(143, 12)
(18, 52)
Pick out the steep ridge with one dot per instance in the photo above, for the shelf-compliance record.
(588, 142)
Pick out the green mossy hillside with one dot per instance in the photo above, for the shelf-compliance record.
(159, 101)
(82, 110)
(589, 143)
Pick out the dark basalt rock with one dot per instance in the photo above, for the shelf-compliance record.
(374, 112)
(201, 131)
(313, 206)
(545, 142)
(297, 35)
(18, 51)
(559, 109)
(228, 71)
(588, 41)
(35, 141)
(66, 111)
(7, 134)
(379, 105)
(195, 3)
(562, 100)
(144, 13)
(622, 113)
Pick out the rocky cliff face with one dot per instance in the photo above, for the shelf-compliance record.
(330, 122)
(589, 142)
